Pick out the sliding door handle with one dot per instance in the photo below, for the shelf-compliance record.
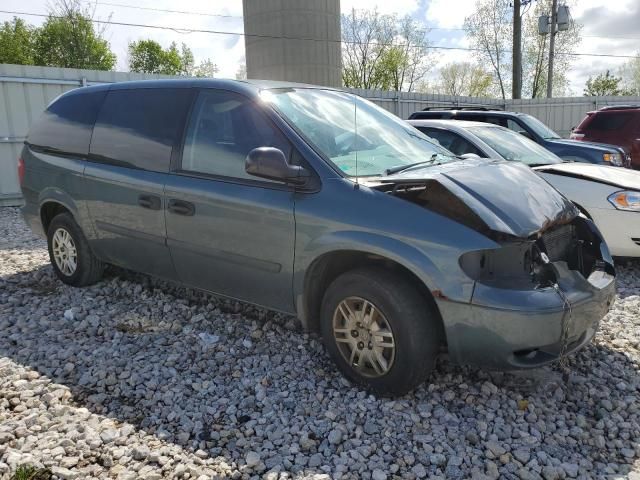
(180, 207)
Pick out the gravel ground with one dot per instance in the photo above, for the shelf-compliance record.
(134, 378)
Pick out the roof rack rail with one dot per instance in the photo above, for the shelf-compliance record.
(620, 107)
(482, 108)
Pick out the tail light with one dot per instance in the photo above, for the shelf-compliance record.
(20, 170)
(576, 136)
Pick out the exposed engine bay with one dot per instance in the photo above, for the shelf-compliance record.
(520, 262)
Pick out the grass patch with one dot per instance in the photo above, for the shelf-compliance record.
(29, 472)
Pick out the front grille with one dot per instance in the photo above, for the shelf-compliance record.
(558, 242)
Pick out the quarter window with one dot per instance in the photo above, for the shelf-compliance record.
(609, 121)
(139, 127)
(515, 126)
(224, 127)
(65, 127)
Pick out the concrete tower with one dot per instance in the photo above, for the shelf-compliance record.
(278, 41)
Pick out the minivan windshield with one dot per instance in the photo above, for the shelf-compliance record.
(358, 137)
(514, 146)
(540, 128)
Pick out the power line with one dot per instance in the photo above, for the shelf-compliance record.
(219, 15)
(275, 37)
(164, 10)
(611, 36)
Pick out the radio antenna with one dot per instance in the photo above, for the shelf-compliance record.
(355, 141)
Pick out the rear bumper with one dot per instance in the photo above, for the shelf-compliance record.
(513, 329)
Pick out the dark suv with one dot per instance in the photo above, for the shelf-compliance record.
(271, 193)
(537, 131)
(618, 125)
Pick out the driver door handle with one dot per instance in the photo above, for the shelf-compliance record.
(181, 207)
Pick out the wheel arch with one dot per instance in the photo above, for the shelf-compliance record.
(49, 209)
(325, 268)
(54, 201)
(583, 210)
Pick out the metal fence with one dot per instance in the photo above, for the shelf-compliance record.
(25, 91)
(561, 114)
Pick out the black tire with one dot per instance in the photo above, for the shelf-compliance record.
(413, 320)
(88, 268)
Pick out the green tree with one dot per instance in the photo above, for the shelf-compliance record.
(490, 29)
(630, 73)
(188, 61)
(148, 56)
(205, 69)
(241, 72)
(603, 85)
(68, 39)
(465, 78)
(490, 33)
(17, 42)
(384, 51)
(535, 53)
(365, 35)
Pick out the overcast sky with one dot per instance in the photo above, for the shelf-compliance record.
(611, 27)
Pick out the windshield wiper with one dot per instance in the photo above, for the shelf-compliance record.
(400, 168)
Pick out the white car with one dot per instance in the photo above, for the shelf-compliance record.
(610, 196)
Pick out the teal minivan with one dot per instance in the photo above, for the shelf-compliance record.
(317, 203)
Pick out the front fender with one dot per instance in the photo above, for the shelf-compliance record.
(451, 283)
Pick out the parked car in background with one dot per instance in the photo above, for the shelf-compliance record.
(609, 196)
(537, 131)
(617, 125)
(369, 232)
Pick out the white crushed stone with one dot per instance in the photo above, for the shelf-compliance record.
(135, 378)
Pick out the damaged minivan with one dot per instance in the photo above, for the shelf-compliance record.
(318, 203)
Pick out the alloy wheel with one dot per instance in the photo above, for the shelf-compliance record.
(64, 252)
(364, 337)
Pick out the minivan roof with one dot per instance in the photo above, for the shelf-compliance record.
(239, 86)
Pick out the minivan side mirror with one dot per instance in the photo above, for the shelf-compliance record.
(270, 163)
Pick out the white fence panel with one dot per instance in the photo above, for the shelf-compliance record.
(25, 91)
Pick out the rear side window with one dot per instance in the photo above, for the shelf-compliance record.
(471, 117)
(139, 128)
(608, 121)
(426, 115)
(451, 141)
(224, 127)
(65, 127)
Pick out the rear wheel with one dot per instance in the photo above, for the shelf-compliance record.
(70, 254)
(381, 332)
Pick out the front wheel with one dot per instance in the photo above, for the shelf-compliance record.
(381, 332)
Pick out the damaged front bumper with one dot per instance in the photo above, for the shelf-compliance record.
(513, 323)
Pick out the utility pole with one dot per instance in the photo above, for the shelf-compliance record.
(516, 86)
(552, 46)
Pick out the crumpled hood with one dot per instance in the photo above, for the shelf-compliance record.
(598, 147)
(507, 196)
(616, 176)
